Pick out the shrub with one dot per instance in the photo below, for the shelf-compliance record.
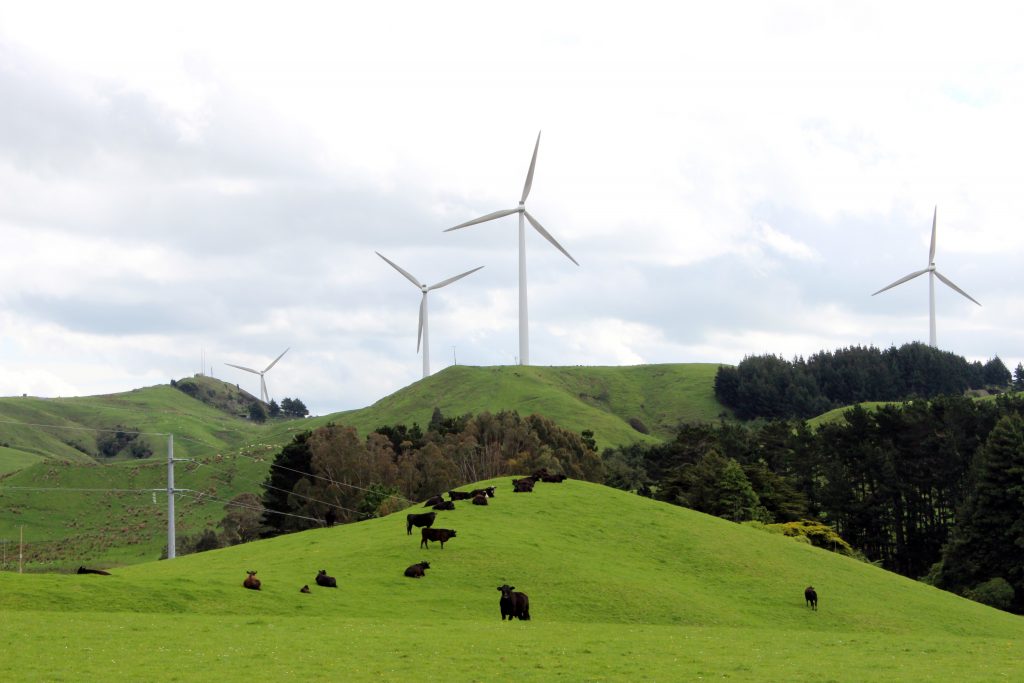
(995, 592)
(817, 534)
(638, 424)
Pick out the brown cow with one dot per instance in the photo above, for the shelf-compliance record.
(251, 582)
(441, 535)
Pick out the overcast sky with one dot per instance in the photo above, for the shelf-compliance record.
(734, 178)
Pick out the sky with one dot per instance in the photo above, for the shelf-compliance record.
(206, 183)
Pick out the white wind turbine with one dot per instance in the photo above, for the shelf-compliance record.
(423, 334)
(264, 396)
(932, 274)
(524, 326)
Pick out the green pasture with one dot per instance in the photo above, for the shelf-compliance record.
(621, 588)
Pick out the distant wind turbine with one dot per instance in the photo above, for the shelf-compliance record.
(524, 325)
(264, 396)
(932, 274)
(424, 333)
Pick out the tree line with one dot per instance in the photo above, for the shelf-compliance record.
(930, 489)
(771, 387)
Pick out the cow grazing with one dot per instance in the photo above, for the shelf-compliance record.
(251, 582)
(304, 589)
(326, 581)
(811, 597)
(417, 570)
(489, 492)
(480, 499)
(433, 501)
(83, 570)
(441, 535)
(514, 605)
(445, 505)
(523, 485)
(423, 519)
(460, 495)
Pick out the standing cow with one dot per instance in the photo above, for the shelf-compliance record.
(423, 519)
(811, 598)
(513, 604)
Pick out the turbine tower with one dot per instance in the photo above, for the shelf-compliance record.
(524, 325)
(932, 274)
(424, 332)
(264, 396)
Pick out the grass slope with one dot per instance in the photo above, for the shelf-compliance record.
(621, 588)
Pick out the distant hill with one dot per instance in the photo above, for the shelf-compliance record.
(234, 453)
(656, 592)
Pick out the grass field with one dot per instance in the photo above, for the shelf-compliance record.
(621, 588)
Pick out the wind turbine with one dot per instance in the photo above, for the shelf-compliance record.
(932, 274)
(524, 325)
(424, 333)
(264, 396)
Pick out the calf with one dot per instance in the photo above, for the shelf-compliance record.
(811, 598)
(251, 582)
(423, 519)
(417, 570)
(514, 605)
(441, 535)
(480, 499)
(433, 501)
(326, 581)
(445, 505)
(304, 589)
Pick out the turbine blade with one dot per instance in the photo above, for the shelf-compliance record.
(931, 251)
(255, 372)
(529, 174)
(419, 332)
(408, 277)
(949, 283)
(483, 219)
(450, 280)
(547, 236)
(277, 359)
(902, 280)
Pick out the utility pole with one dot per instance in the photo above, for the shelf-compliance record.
(21, 546)
(171, 541)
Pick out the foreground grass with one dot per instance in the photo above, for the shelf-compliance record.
(621, 588)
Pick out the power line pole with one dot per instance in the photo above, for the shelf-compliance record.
(171, 541)
(21, 546)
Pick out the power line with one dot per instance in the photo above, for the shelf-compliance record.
(201, 496)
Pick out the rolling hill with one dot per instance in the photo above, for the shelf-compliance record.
(52, 483)
(621, 588)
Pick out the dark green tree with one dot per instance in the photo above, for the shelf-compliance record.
(988, 541)
(293, 407)
(1018, 377)
(257, 413)
(996, 374)
(273, 409)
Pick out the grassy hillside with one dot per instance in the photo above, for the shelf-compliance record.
(621, 588)
(51, 483)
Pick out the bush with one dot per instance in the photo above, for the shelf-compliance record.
(638, 424)
(995, 592)
(817, 534)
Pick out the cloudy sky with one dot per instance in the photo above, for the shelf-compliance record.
(734, 178)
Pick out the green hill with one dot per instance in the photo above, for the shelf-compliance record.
(52, 481)
(621, 588)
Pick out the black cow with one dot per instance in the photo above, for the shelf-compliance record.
(524, 485)
(83, 570)
(489, 492)
(554, 478)
(441, 535)
(514, 605)
(459, 495)
(251, 582)
(423, 519)
(480, 499)
(433, 500)
(445, 505)
(326, 581)
(811, 597)
(417, 570)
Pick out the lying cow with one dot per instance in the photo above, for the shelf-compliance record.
(441, 535)
(445, 505)
(251, 582)
(326, 581)
(480, 499)
(489, 492)
(460, 495)
(514, 605)
(417, 570)
(432, 501)
(523, 485)
(83, 570)
(422, 519)
(554, 478)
